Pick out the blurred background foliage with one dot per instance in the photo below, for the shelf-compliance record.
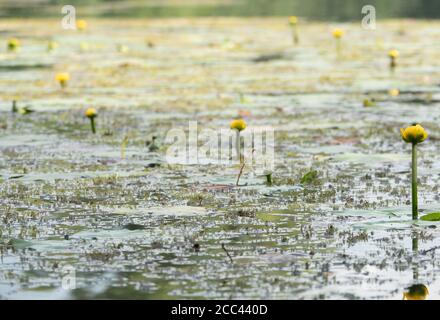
(337, 10)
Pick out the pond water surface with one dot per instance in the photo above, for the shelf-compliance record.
(138, 227)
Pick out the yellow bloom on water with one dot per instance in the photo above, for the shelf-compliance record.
(293, 20)
(62, 78)
(91, 113)
(414, 134)
(13, 44)
(239, 124)
(394, 92)
(52, 45)
(369, 102)
(393, 54)
(416, 292)
(81, 25)
(338, 33)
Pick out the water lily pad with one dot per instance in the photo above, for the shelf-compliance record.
(435, 216)
(309, 177)
(19, 243)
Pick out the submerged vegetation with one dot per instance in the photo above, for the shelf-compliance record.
(332, 215)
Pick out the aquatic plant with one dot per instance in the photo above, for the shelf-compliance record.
(434, 216)
(123, 146)
(81, 25)
(25, 110)
(338, 34)
(240, 173)
(13, 44)
(238, 125)
(14, 106)
(22, 110)
(152, 146)
(91, 113)
(414, 134)
(310, 177)
(393, 55)
(369, 102)
(268, 175)
(293, 22)
(52, 45)
(394, 92)
(62, 78)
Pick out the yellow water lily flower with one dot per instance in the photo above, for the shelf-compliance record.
(369, 102)
(414, 134)
(338, 33)
(293, 20)
(239, 124)
(91, 113)
(13, 44)
(81, 25)
(52, 45)
(416, 292)
(393, 54)
(394, 92)
(62, 78)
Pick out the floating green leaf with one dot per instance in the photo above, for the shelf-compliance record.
(435, 216)
(309, 177)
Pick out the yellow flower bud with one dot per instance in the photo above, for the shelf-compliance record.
(91, 113)
(52, 45)
(239, 124)
(338, 33)
(62, 78)
(293, 20)
(81, 25)
(13, 44)
(394, 92)
(393, 54)
(369, 102)
(414, 134)
(416, 292)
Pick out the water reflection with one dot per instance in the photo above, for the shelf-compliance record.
(417, 291)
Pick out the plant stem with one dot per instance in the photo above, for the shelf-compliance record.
(269, 179)
(338, 47)
(92, 123)
(295, 34)
(415, 244)
(239, 174)
(123, 145)
(238, 145)
(393, 63)
(414, 183)
(415, 249)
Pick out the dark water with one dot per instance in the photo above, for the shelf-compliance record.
(342, 10)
